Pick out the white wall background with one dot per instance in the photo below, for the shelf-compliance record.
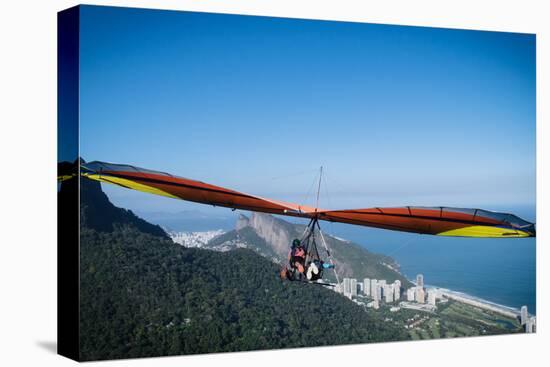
(28, 188)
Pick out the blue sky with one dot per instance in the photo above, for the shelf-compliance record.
(396, 115)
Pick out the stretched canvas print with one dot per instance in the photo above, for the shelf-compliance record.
(234, 183)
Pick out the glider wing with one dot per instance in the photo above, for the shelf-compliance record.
(165, 184)
(441, 221)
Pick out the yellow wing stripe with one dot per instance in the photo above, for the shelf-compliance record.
(65, 177)
(484, 231)
(128, 184)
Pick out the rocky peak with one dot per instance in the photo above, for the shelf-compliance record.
(242, 222)
(272, 230)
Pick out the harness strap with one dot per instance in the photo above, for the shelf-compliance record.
(328, 254)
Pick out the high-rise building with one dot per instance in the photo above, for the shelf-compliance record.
(431, 297)
(530, 325)
(366, 287)
(420, 280)
(411, 292)
(353, 285)
(388, 293)
(373, 284)
(524, 315)
(420, 296)
(377, 292)
(382, 282)
(347, 286)
(396, 290)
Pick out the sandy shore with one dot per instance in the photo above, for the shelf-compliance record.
(477, 302)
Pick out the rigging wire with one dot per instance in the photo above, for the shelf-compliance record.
(319, 188)
(407, 243)
(310, 190)
(328, 254)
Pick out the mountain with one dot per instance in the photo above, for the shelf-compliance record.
(142, 295)
(271, 237)
(97, 212)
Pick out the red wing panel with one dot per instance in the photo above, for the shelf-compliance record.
(186, 189)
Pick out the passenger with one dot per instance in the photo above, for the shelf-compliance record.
(315, 269)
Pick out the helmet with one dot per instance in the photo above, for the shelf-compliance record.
(296, 242)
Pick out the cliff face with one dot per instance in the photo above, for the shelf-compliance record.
(277, 233)
(242, 222)
(271, 237)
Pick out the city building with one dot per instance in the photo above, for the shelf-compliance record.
(373, 286)
(431, 297)
(420, 296)
(530, 325)
(366, 287)
(411, 292)
(524, 315)
(353, 286)
(347, 286)
(388, 293)
(378, 292)
(397, 290)
(420, 281)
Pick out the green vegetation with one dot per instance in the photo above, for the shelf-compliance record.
(364, 264)
(452, 319)
(142, 295)
(414, 335)
(465, 320)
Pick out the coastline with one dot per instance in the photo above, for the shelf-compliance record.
(477, 302)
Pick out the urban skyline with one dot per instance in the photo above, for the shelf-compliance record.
(378, 292)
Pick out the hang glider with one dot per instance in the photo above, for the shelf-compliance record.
(441, 221)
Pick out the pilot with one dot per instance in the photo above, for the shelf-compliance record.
(297, 256)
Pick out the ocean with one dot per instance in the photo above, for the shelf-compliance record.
(501, 271)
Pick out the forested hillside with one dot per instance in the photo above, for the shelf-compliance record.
(143, 295)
